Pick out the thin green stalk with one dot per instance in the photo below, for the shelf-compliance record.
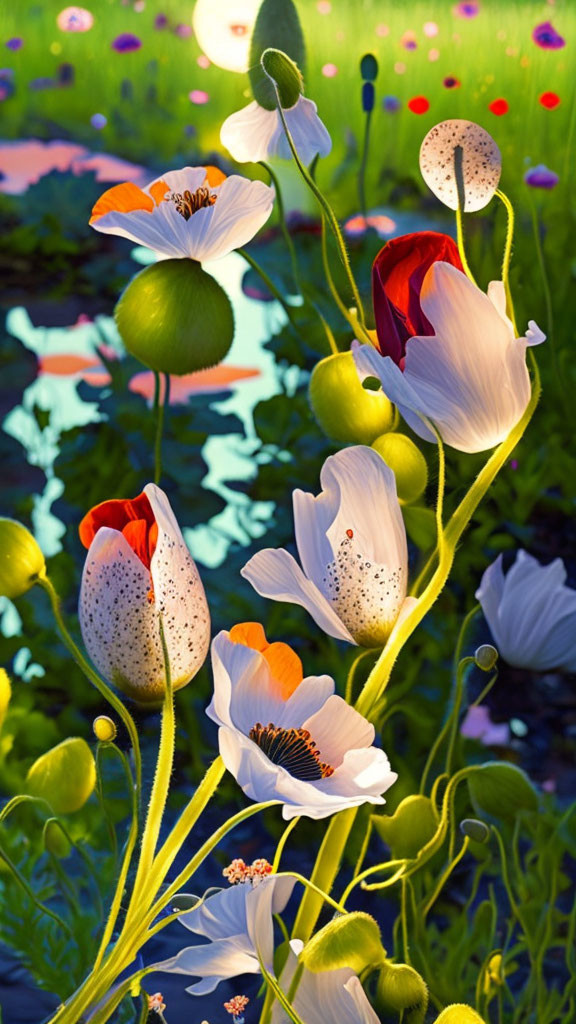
(465, 663)
(325, 871)
(444, 878)
(459, 176)
(284, 226)
(455, 717)
(348, 693)
(327, 209)
(485, 691)
(160, 404)
(94, 678)
(282, 843)
(268, 282)
(508, 254)
(358, 328)
(362, 168)
(100, 748)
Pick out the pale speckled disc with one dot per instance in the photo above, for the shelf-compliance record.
(481, 163)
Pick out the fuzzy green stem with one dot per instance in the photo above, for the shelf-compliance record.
(93, 676)
(508, 253)
(268, 282)
(351, 319)
(325, 870)
(284, 226)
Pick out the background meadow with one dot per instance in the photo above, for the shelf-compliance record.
(75, 411)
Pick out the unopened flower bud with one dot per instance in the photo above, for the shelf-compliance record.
(278, 29)
(475, 829)
(400, 988)
(369, 67)
(56, 841)
(346, 411)
(21, 560)
(459, 1013)
(65, 776)
(175, 318)
(285, 73)
(486, 657)
(368, 97)
(104, 729)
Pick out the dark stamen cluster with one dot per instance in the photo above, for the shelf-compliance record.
(188, 202)
(293, 749)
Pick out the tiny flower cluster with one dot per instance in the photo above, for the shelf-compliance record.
(238, 871)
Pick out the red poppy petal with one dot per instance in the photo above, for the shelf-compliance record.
(131, 516)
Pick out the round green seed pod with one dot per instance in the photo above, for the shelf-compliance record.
(21, 560)
(346, 411)
(407, 463)
(65, 776)
(486, 657)
(175, 318)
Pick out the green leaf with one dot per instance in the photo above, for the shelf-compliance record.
(410, 827)
(501, 790)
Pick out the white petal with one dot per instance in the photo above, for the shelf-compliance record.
(489, 594)
(221, 916)
(307, 698)
(242, 207)
(247, 133)
(244, 690)
(309, 134)
(337, 728)
(158, 230)
(277, 575)
(178, 594)
(119, 624)
(267, 898)
(190, 178)
(213, 962)
(481, 163)
(360, 1010)
(313, 516)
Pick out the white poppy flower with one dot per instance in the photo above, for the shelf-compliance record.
(531, 613)
(254, 133)
(137, 568)
(197, 212)
(239, 924)
(291, 739)
(470, 377)
(325, 996)
(352, 545)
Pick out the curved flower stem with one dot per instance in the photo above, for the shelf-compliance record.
(453, 716)
(444, 878)
(463, 665)
(94, 678)
(459, 176)
(268, 282)
(160, 401)
(284, 226)
(362, 168)
(160, 785)
(282, 843)
(358, 328)
(100, 748)
(508, 254)
(348, 693)
(325, 205)
(378, 678)
(325, 870)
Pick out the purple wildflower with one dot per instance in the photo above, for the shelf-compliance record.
(546, 36)
(16, 43)
(126, 42)
(541, 177)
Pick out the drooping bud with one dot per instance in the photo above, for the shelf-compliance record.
(55, 839)
(345, 410)
(285, 73)
(5, 694)
(486, 657)
(277, 27)
(501, 790)
(461, 164)
(410, 827)
(104, 729)
(406, 462)
(369, 67)
(351, 940)
(21, 560)
(175, 318)
(475, 829)
(402, 990)
(65, 776)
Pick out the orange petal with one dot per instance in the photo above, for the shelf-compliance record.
(214, 176)
(286, 668)
(122, 199)
(251, 634)
(158, 190)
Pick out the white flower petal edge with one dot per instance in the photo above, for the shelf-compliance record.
(326, 996)
(531, 613)
(239, 923)
(120, 601)
(245, 695)
(254, 133)
(241, 208)
(352, 544)
(469, 378)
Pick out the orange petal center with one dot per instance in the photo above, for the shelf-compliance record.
(285, 665)
(132, 517)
